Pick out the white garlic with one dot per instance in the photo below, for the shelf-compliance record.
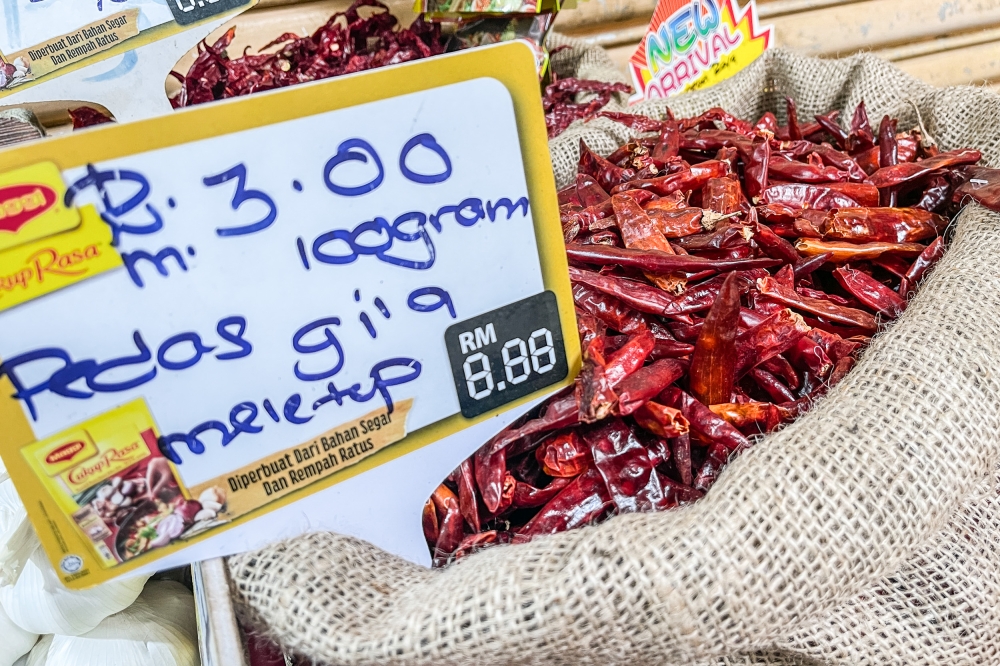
(157, 630)
(39, 603)
(212, 494)
(209, 505)
(105, 491)
(15, 642)
(117, 499)
(38, 653)
(17, 538)
(204, 514)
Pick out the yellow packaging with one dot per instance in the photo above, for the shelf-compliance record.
(34, 269)
(108, 476)
(31, 205)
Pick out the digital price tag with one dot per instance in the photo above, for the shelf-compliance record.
(304, 276)
(187, 12)
(506, 354)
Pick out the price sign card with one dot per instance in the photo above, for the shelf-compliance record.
(45, 39)
(360, 279)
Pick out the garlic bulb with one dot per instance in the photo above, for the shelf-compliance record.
(15, 642)
(17, 538)
(38, 653)
(39, 603)
(157, 630)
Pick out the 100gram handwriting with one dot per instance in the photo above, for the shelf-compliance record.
(136, 215)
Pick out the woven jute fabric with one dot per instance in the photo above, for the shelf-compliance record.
(867, 532)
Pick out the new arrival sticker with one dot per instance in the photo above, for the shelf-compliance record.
(693, 45)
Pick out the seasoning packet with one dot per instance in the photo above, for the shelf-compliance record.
(109, 476)
(469, 32)
(433, 7)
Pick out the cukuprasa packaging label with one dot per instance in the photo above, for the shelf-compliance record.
(283, 303)
(109, 477)
(46, 245)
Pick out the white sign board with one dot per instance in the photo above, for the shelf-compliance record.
(283, 282)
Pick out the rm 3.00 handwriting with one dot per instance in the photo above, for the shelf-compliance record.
(375, 237)
(317, 341)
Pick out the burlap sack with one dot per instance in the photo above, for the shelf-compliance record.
(868, 532)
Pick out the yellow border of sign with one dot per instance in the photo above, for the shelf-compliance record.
(144, 38)
(512, 64)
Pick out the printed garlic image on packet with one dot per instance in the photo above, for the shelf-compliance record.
(108, 475)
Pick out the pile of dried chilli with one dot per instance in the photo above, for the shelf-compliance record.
(561, 108)
(85, 116)
(725, 276)
(348, 42)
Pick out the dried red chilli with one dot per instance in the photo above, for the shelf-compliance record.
(85, 116)
(562, 109)
(348, 42)
(716, 302)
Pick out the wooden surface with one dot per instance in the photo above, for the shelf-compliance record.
(945, 42)
(219, 640)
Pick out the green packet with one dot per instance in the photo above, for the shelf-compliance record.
(477, 30)
(448, 7)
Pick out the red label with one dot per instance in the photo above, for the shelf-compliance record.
(20, 204)
(65, 452)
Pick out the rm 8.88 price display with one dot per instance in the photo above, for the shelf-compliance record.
(506, 354)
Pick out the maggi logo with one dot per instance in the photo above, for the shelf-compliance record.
(65, 452)
(20, 204)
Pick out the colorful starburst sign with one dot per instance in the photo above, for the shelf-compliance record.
(693, 44)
